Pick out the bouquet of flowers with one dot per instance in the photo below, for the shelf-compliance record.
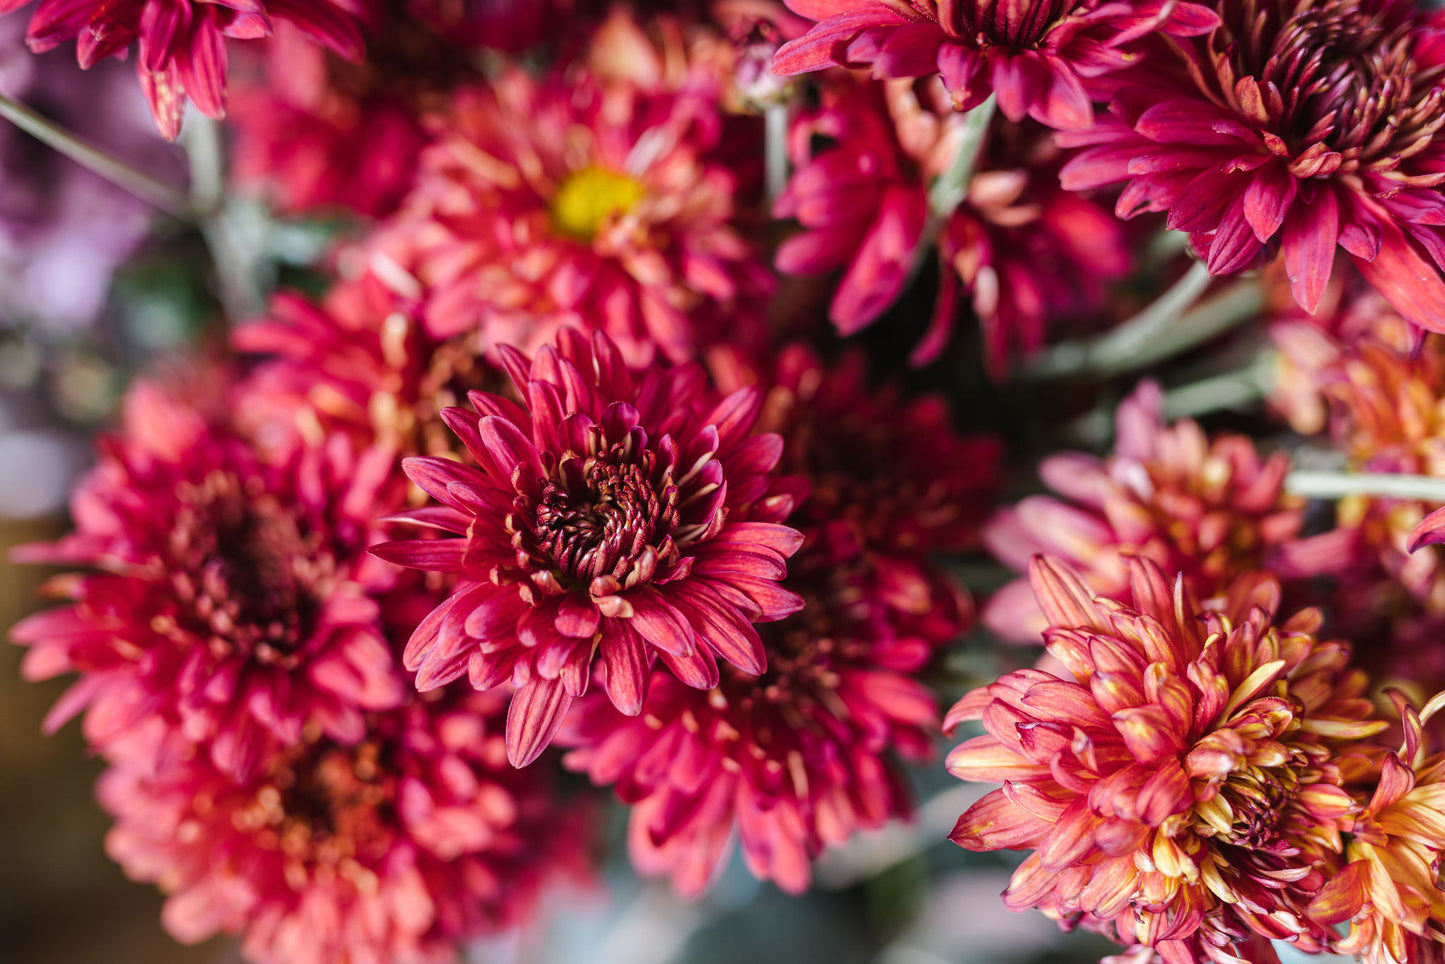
(730, 415)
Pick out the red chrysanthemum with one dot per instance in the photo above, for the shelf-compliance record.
(608, 520)
(1026, 252)
(1301, 125)
(182, 43)
(231, 600)
(1178, 788)
(1036, 56)
(793, 760)
(387, 850)
(572, 200)
(1210, 508)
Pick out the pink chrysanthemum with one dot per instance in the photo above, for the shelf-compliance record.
(1376, 387)
(1036, 56)
(182, 44)
(232, 600)
(360, 360)
(609, 520)
(888, 477)
(1025, 252)
(801, 756)
(1301, 125)
(792, 760)
(1178, 787)
(571, 200)
(1210, 508)
(388, 850)
(313, 131)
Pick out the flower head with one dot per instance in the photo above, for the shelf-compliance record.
(572, 200)
(792, 760)
(887, 476)
(1035, 56)
(1210, 508)
(182, 53)
(390, 848)
(1293, 126)
(360, 361)
(232, 600)
(610, 519)
(803, 755)
(1389, 891)
(1179, 788)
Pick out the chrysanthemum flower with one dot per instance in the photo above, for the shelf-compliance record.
(1036, 56)
(887, 475)
(608, 520)
(573, 201)
(1179, 789)
(1377, 387)
(802, 756)
(359, 360)
(182, 44)
(387, 850)
(1294, 126)
(231, 600)
(1389, 891)
(313, 131)
(1024, 251)
(793, 760)
(1210, 508)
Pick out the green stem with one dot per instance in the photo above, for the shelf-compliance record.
(1380, 485)
(1119, 348)
(234, 255)
(1231, 390)
(142, 185)
(951, 187)
(775, 149)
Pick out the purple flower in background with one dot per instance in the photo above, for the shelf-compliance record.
(63, 229)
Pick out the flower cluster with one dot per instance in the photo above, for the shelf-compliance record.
(649, 391)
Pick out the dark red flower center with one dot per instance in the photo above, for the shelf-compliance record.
(1340, 75)
(246, 569)
(1013, 23)
(607, 515)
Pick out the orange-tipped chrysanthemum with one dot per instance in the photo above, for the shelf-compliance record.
(1389, 891)
(1179, 789)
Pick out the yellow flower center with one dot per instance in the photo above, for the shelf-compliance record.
(589, 197)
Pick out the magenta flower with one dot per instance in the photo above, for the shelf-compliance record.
(182, 44)
(608, 520)
(1293, 127)
(388, 850)
(1027, 254)
(233, 600)
(796, 759)
(1036, 55)
(803, 755)
(1210, 508)
(604, 204)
